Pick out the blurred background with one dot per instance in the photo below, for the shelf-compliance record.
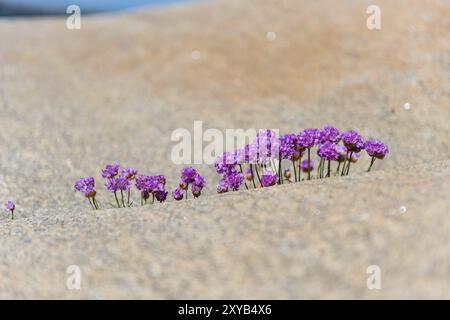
(58, 7)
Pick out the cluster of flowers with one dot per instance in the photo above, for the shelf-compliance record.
(259, 164)
(119, 182)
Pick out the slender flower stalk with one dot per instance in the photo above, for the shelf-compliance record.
(376, 149)
(86, 187)
(11, 207)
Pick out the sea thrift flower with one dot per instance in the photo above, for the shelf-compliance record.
(353, 141)
(129, 173)
(268, 179)
(354, 157)
(190, 177)
(376, 149)
(10, 206)
(161, 196)
(304, 165)
(222, 187)
(266, 146)
(288, 143)
(86, 187)
(234, 180)
(329, 133)
(328, 151)
(110, 171)
(342, 151)
(308, 138)
(178, 194)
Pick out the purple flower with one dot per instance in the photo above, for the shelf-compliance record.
(110, 171)
(199, 181)
(222, 187)
(376, 148)
(234, 180)
(288, 144)
(304, 165)
(308, 138)
(342, 151)
(177, 194)
(85, 186)
(161, 196)
(118, 184)
(353, 141)
(150, 184)
(188, 175)
(268, 179)
(226, 162)
(354, 158)
(197, 185)
(129, 173)
(10, 206)
(328, 151)
(329, 133)
(265, 146)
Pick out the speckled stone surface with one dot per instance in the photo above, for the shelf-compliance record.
(72, 101)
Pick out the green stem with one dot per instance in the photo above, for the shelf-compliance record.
(349, 162)
(128, 198)
(345, 160)
(253, 176)
(309, 163)
(89, 199)
(329, 169)
(123, 202)
(242, 171)
(371, 164)
(117, 199)
(295, 169)
(257, 173)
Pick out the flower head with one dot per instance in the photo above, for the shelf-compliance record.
(342, 151)
(150, 184)
(234, 180)
(308, 138)
(329, 133)
(353, 141)
(197, 185)
(177, 194)
(10, 206)
(222, 187)
(327, 151)
(304, 165)
(376, 148)
(110, 171)
(188, 175)
(117, 184)
(265, 146)
(85, 186)
(129, 173)
(288, 146)
(161, 196)
(268, 179)
(354, 158)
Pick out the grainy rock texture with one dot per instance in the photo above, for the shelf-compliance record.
(72, 101)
